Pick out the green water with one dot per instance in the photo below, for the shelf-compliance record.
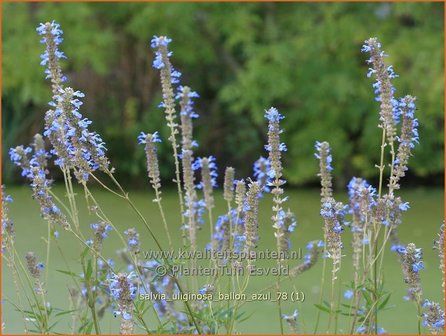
(420, 225)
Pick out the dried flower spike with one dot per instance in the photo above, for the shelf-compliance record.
(325, 159)
(150, 140)
(7, 225)
(310, 258)
(251, 220)
(228, 192)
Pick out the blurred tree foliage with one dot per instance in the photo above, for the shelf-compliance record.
(303, 58)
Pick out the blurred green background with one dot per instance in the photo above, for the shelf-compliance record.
(303, 58)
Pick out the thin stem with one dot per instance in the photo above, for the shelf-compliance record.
(105, 187)
(279, 301)
(332, 301)
(368, 314)
(418, 316)
(90, 298)
(42, 309)
(71, 195)
(163, 217)
(324, 265)
(376, 228)
(381, 163)
(47, 265)
(11, 265)
(338, 301)
(239, 302)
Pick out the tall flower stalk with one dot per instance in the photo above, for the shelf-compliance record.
(169, 77)
(150, 140)
(228, 195)
(440, 247)
(412, 261)
(186, 98)
(275, 149)
(333, 213)
(392, 112)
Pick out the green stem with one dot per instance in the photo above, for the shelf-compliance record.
(238, 302)
(47, 266)
(418, 318)
(279, 303)
(338, 301)
(42, 309)
(376, 229)
(91, 298)
(321, 295)
(163, 217)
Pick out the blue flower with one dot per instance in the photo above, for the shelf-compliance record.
(282, 147)
(123, 290)
(273, 115)
(433, 316)
(398, 248)
(76, 145)
(404, 206)
(328, 158)
(198, 164)
(142, 138)
(51, 37)
(101, 229)
(261, 168)
(418, 266)
(133, 242)
(161, 55)
(384, 90)
(188, 110)
(19, 156)
(409, 134)
(348, 294)
(198, 209)
(156, 41)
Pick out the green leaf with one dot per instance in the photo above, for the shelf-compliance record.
(89, 328)
(53, 325)
(89, 271)
(384, 303)
(321, 307)
(84, 252)
(65, 312)
(367, 297)
(69, 273)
